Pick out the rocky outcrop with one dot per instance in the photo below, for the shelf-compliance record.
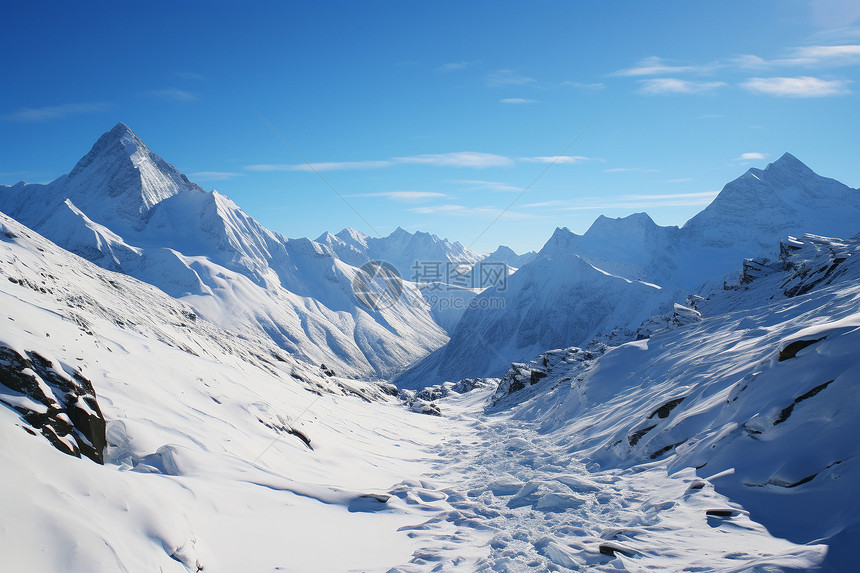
(61, 405)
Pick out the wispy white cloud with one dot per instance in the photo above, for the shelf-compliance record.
(671, 196)
(506, 78)
(594, 86)
(630, 170)
(629, 202)
(189, 76)
(553, 203)
(837, 55)
(173, 94)
(517, 100)
(472, 159)
(801, 87)
(464, 211)
(406, 196)
(559, 159)
(654, 66)
(661, 86)
(679, 180)
(320, 166)
(47, 113)
(477, 184)
(213, 175)
(751, 156)
(454, 66)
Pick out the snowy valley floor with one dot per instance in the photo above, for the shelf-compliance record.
(510, 499)
(225, 455)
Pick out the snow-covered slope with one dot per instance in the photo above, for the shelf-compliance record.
(126, 209)
(556, 298)
(223, 452)
(762, 394)
(226, 454)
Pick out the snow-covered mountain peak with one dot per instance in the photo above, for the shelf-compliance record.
(562, 240)
(352, 236)
(788, 164)
(634, 226)
(786, 196)
(120, 178)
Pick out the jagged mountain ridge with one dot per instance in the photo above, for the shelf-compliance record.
(505, 254)
(128, 210)
(745, 220)
(406, 251)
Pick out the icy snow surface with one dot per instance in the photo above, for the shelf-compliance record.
(206, 471)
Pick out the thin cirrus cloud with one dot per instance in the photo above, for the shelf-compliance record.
(455, 66)
(630, 202)
(173, 94)
(214, 175)
(798, 87)
(594, 86)
(559, 159)
(465, 211)
(477, 184)
(320, 166)
(507, 78)
(403, 196)
(630, 170)
(661, 86)
(517, 100)
(189, 76)
(839, 55)
(654, 66)
(472, 159)
(462, 159)
(751, 156)
(47, 113)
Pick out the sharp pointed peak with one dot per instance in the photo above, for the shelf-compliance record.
(788, 161)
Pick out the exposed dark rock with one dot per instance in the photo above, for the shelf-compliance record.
(666, 409)
(326, 370)
(786, 412)
(389, 389)
(612, 548)
(536, 376)
(791, 350)
(753, 269)
(70, 417)
(634, 438)
(301, 436)
(665, 449)
(279, 427)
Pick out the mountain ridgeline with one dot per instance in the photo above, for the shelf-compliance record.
(126, 209)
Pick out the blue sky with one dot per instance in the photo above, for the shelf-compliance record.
(435, 116)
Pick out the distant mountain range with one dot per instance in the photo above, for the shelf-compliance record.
(621, 270)
(126, 209)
